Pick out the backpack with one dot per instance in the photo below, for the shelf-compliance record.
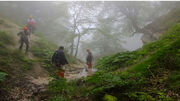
(55, 58)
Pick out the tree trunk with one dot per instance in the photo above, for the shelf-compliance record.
(72, 47)
(72, 43)
(77, 46)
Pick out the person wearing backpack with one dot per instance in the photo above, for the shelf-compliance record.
(24, 38)
(59, 60)
(31, 24)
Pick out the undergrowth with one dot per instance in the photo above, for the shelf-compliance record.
(44, 50)
(152, 72)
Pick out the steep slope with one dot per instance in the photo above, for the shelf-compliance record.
(26, 76)
(23, 70)
(150, 74)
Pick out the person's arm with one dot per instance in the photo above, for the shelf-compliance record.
(66, 61)
(53, 58)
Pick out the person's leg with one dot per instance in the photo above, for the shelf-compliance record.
(61, 72)
(21, 44)
(27, 45)
(89, 65)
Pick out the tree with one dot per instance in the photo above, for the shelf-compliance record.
(82, 19)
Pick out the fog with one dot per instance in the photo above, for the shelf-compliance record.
(132, 43)
(103, 27)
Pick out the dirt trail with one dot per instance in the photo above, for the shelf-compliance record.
(37, 78)
(76, 71)
(37, 74)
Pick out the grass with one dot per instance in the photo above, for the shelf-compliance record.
(12, 60)
(44, 50)
(174, 81)
(152, 71)
(6, 39)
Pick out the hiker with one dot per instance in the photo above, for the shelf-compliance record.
(24, 38)
(31, 24)
(89, 58)
(59, 60)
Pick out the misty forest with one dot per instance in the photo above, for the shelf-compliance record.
(90, 51)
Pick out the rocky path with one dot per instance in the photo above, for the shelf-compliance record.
(34, 82)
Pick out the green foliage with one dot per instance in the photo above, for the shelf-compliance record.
(136, 83)
(110, 63)
(109, 98)
(144, 64)
(141, 96)
(12, 59)
(5, 39)
(21, 60)
(2, 76)
(56, 98)
(174, 80)
(61, 89)
(58, 85)
(44, 50)
(163, 97)
(148, 96)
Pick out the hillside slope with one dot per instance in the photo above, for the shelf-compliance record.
(24, 73)
(26, 76)
(151, 73)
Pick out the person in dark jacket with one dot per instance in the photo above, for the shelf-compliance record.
(59, 60)
(24, 38)
(89, 58)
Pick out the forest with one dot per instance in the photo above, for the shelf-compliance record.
(112, 51)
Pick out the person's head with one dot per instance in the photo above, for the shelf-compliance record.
(61, 48)
(88, 50)
(25, 28)
(30, 17)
